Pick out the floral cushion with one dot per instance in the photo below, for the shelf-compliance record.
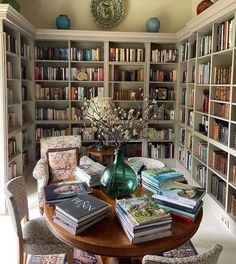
(62, 162)
(62, 175)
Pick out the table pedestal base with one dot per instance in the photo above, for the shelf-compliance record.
(114, 260)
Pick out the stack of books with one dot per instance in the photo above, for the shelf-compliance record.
(78, 213)
(90, 173)
(142, 219)
(55, 193)
(152, 179)
(181, 200)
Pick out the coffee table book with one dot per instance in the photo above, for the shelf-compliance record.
(142, 210)
(57, 192)
(90, 173)
(180, 193)
(75, 228)
(82, 207)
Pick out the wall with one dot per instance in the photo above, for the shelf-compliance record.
(172, 13)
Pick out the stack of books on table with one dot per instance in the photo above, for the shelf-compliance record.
(180, 199)
(55, 193)
(90, 173)
(78, 213)
(153, 178)
(142, 219)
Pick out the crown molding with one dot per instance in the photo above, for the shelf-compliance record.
(55, 34)
(8, 13)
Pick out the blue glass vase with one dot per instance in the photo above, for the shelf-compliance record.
(153, 24)
(63, 22)
(119, 179)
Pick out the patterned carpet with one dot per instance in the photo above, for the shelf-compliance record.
(81, 257)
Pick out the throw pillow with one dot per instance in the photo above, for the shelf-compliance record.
(62, 162)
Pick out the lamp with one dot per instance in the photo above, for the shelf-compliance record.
(100, 107)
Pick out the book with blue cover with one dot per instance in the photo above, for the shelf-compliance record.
(158, 175)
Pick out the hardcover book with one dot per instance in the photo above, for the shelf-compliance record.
(142, 210)
(181, 192)
(58, 192)
(81, 207)
(157, 177)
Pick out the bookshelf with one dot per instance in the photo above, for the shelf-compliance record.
(196, 92)
(205, 143)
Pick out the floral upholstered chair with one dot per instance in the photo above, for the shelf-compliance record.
(34, 236)
(209, 257)
(59, 157)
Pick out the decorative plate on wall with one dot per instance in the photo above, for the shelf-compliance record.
(107, 13)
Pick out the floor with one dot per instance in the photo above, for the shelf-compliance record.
(210, 232)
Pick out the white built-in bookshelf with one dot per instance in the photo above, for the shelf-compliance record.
(191, 75)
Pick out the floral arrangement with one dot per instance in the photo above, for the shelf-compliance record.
(119, 124)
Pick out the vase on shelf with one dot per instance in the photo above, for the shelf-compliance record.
(153, 24)
(203, 6)
(119, 179)
(13, 3)
(63, 22)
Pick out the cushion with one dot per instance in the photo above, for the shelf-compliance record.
(62, 162)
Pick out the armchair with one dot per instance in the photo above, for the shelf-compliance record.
(57, 162)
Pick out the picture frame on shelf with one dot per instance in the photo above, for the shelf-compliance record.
(162, 94)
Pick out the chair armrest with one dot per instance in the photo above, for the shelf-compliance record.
(86, 160)
(41, 174)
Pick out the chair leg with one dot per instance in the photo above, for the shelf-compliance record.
(21, 254)
(69, 257)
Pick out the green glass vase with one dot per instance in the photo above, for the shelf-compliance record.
(119, 179)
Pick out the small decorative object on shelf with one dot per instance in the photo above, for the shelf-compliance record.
(118, 179)
(153, 24)
(13, 3)
(203, 6)
(63, 22)
(106, 13)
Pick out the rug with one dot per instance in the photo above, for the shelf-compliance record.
(82, 257)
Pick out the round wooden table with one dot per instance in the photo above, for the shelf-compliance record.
(107, 238)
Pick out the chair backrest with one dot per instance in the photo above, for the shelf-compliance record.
(58, 142)
(209, 257)
(17, 204)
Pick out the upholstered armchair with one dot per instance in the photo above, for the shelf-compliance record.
(59, 157)
(209, 257)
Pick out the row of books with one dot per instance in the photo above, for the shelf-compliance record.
(205, 45)
(88, 54)
(10, 70)
(164, 56)
(51, 93)
(81, 92)
(220, 131)
(87, 74)
(160, 134)
(161, 150)
(222, 75)
(202, 150)
(188, 160)
(222, 93)
(47, 53)
(218, 188)
(200, 176)
(52, 114)
(205, 100)
(11, 44)
(233, 205)
(127, 54)
(12, 170)
(225, 35)
(25, 50)
(41, 132)
(12, 148)
(163, 112)
(86, 133)
(204, 73)
(129, 75)
(233, 175)
(128, 94)
(219, 161)
(184, 50)
(221, 110)
(163, 76)
(51, 73)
